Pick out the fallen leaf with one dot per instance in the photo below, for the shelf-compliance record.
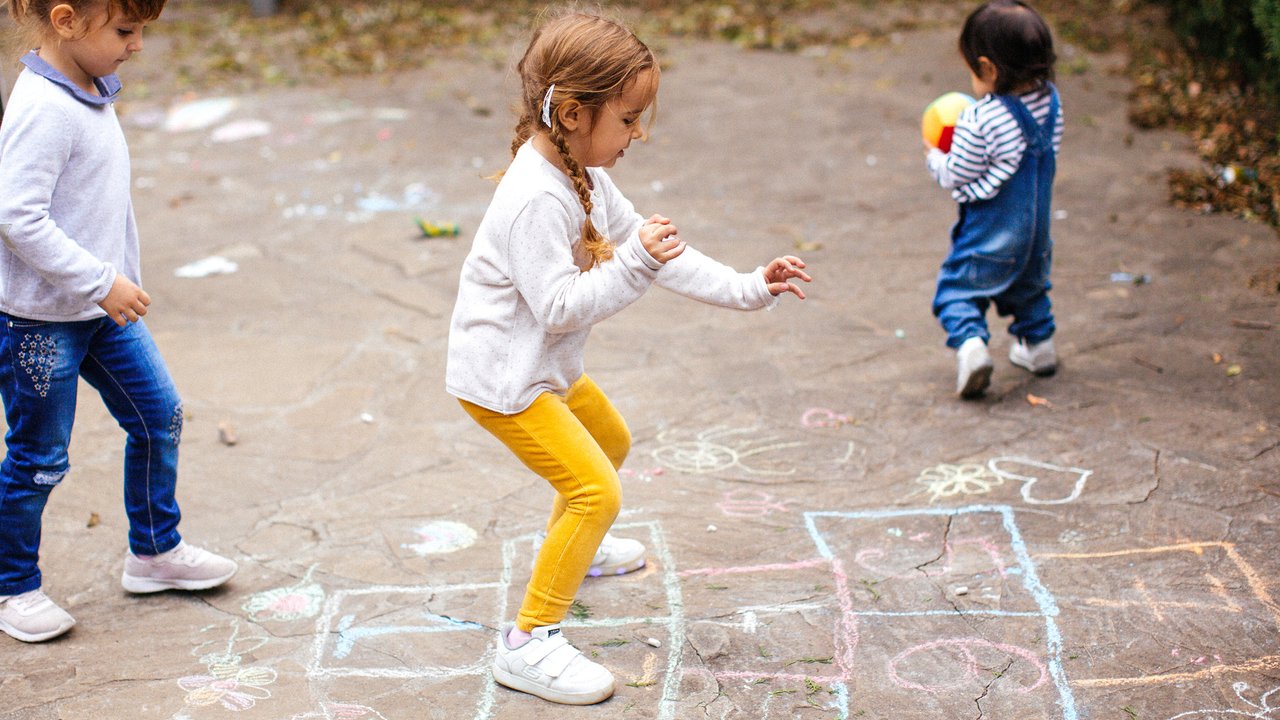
(227, 433)
(1035, 400)
(1217, 358)
(1234, 370)
(94, 520)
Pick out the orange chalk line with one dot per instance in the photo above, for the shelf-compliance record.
(1251, 576)
(1264, 663)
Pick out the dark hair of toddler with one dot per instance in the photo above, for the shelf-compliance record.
(1015, 39)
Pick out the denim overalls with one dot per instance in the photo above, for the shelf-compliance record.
(1000, 247)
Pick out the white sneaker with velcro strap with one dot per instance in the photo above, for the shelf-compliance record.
(549, 667)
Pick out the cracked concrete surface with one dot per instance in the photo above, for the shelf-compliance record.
(813, 497)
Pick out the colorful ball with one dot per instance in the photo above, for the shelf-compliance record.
(939, 121)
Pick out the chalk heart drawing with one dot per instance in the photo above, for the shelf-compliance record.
(969, 660)
(442, 536)
(227, 682)
(1055, 476)
(1262, 709)
(295, 602)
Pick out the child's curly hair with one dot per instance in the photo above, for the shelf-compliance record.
(589, 59)
(1015, 39)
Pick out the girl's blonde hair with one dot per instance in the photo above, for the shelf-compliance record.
(32, 16)
(589, 59)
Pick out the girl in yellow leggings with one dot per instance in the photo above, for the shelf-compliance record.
(560, 249)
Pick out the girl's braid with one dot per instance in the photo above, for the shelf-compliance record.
(593, 242)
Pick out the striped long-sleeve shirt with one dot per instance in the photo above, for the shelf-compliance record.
(987, 147)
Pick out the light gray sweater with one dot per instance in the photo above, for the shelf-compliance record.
(66, 215)
(525, 308)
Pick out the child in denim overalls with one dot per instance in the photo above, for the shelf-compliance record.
(1000, 170)
(71, 307)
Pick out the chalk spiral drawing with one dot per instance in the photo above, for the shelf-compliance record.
(442, 536)
(227, 682)
(968, 669)
(295, 602)
(948, 480)
(720, 449)
(1262, 709)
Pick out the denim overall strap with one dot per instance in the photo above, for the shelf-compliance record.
(1000, 247)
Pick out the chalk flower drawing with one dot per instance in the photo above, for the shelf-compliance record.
(442, 536)
(239, 691)
(719, 449)
(946, 480)
(1262, 709)
(295, 602)
(227, 683)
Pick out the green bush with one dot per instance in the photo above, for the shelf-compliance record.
(1243, 33)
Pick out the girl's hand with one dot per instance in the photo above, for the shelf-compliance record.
(658, 236)
(126, 302)
(780, 270)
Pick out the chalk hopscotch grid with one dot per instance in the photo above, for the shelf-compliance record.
(1044, 600)
(327, 629)
(844, 637)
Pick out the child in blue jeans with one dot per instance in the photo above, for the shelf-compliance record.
(1000, 171)
(71, 308)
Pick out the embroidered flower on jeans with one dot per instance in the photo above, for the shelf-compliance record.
(36, 356)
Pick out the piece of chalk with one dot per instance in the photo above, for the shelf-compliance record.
(653, 642)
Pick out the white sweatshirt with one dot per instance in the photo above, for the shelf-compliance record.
(525, 308)
(66, 216)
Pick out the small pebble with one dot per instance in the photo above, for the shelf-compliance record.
(653, 642)
(366, 418)
(712, 528)
(962, 590)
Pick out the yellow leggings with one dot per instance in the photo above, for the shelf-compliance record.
(577, 443)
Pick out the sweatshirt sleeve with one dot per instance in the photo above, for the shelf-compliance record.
(37, 149)
(700, 277)
(560, 296)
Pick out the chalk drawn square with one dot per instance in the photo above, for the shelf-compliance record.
(945, 562)
(976, 550)
(939, 664)
(1163, 627)
(737, 638)
(405, 632)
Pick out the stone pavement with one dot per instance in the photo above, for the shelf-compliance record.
(832, 534)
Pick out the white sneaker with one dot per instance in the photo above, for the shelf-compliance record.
(185, 567)
(1039, 358)
(615, 556)
(973, 368)
(549, 667)
(33, 617)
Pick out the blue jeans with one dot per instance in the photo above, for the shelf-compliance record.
(40, 367)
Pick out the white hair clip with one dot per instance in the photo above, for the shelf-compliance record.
(546, 105)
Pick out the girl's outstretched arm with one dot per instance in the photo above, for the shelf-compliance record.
(782, 269)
